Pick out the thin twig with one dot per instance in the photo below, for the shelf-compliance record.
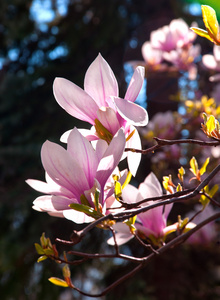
(162, 142)
(145, 261)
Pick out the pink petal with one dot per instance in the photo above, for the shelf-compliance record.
(100, 148)
(135, 84)
(131, 112)
(79, 147)
(63, 169)
(52, 203)
(122, 236)
(100, 82)
(75, 100)
(152, 185)
(107, 116)
(111, 158)
(130, 194)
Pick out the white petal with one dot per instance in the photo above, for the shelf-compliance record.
(76, 216)
(132, 157)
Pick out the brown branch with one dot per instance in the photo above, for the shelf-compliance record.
(162, 142)
(121, 216)
(145, 261)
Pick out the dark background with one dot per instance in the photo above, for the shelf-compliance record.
(40, 40)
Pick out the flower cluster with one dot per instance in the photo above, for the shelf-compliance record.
(172, 43)
(84, 182)
(79, 180)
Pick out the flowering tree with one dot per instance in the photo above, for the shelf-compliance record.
(85, 182)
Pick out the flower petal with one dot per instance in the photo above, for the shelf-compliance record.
(108, 118)
(135, 84)
(210, 62)
(111, 158)
(100, 82)
(63, 169)
(132, 157)
(76, 216)
(52, 203)
(131, 112)
(75, 100)
(79, 147)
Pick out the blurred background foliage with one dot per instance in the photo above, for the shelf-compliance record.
(40, 40)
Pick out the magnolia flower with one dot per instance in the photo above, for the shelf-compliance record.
(151, 224)
(77, 175)
(183, 58)
(170, 37)
(99, 105)
(207, 233)
(153, 57)
(164, 125)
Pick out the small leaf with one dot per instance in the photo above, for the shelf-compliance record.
(66, 271)
(179, 188)
(194, 166)
(213, 190)
(202, 33)
(48, 251)
(43, 240)
(118, 189)
(58, 281)
(39, 249)
(84, 200)
(85, 209)
(203, 169)
(210, 124)
(127, 180)
(41, 258)
(96, 199)
(210, 21)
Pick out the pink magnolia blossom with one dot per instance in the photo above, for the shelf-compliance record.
(170, 37)
(100, 105)
(164, 125)
(151, 224)
(183, 58)
(207, 233)
(152, 57)
(75, 174)
(212, 62)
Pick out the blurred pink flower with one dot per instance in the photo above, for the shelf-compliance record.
(164, 125)
(151, 224)
(208, 232)
(73, 175)
(183, 58)
(152, 57)
(170, 37)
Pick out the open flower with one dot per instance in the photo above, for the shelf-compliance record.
(77, 176)
(151, 224)
(207, 233)
(170, 37)
(99, 104)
